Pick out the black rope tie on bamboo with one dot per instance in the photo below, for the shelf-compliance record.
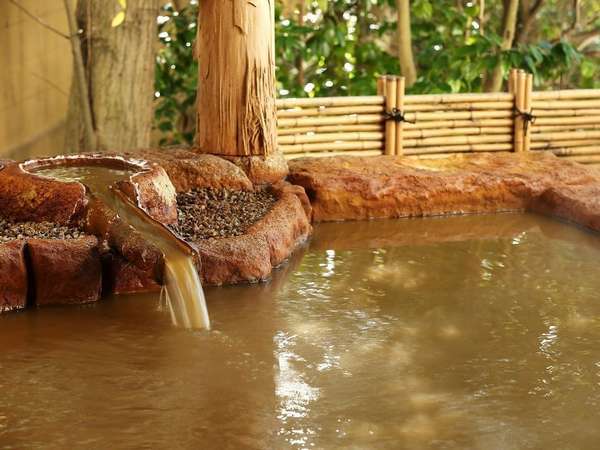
(527, 117)
(397, 116)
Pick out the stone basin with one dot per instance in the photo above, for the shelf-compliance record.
(113, 254)
(113, 257)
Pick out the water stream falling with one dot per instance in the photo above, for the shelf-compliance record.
(182, 287)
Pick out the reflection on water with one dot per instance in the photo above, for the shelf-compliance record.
(395, 334)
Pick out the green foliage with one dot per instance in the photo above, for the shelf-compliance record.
(340, 47)
(176, 74)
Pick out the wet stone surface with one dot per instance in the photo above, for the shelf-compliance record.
(10, 231)
(219, 213)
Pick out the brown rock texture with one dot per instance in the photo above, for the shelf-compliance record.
(13, 276)
(252, 256)
(26, 197)
(149, 187)
(132, 264)
(65, 272)
(358, 188)
(124, 277)
(262, 170)
(189, 170)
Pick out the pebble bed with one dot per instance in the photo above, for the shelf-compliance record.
(218, 213)
(10, 231)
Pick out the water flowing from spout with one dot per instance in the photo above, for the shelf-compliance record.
(182, 287)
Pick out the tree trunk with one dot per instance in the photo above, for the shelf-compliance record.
(405, 53)
(236, 82)
(119, 66)
(526, 20)
(493, 82)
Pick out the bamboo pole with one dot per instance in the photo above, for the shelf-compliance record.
(567, 94)
(459, 149)
(391, 89)
(472, 106)
(512, 82)
(400, 90)
(330, 129)
(549, 128)
(459, 98)
(288, 103)
(562, 104)
(330, 137)
(330, 111)
(566, 135)
(458, 124)
(333, 153)
(461, 115)
(527, 109)
(548, 145)
(329, 120)
(519, 106)
(381, 84)
(543, 121)
(566, 112)
(458, 140)
(456, 132)
(324, 146)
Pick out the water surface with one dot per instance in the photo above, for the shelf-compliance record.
(472, 332)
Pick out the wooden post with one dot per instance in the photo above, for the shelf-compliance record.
(390, 105)
(519, 107)
(236, 78)
(381, 82)
(527, 108)
(400, 88)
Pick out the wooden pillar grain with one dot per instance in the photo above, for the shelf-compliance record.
(236, 83)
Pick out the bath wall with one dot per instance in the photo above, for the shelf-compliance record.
(35, 77)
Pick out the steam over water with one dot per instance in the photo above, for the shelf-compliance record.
(183, 290)
(461, 333)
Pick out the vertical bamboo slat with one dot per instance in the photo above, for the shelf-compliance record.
(390, 105)
(381, 83)
(400, 88)
(519, 106)
(527, 108)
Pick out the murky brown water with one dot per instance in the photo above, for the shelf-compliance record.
(475, 332)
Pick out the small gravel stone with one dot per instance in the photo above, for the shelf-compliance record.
(218, 213)
(10, 231)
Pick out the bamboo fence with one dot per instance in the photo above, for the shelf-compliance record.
(565, 122)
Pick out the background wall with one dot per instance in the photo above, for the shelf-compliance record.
(35, 77)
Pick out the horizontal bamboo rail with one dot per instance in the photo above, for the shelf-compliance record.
(324, 146)
(330, 129)
(565, 122)
(567, 94)
(547, 145)
(456, 132)
(331, 137)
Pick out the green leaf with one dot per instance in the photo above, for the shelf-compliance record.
(118, 19)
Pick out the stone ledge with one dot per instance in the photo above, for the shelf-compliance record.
(359, 188)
